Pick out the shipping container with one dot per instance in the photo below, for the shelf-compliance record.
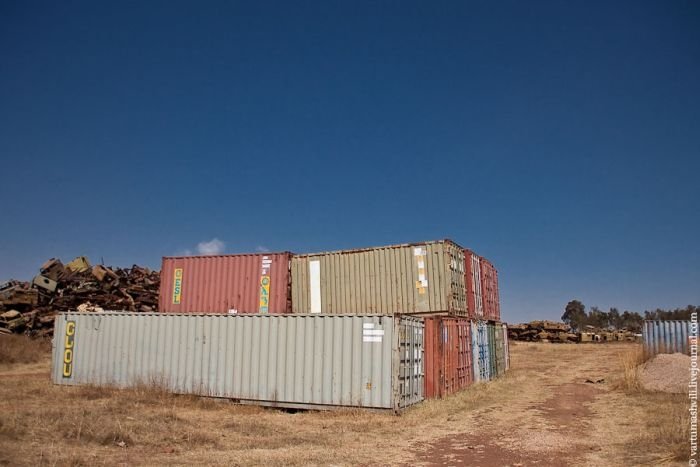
(472, 280)
(481, 360)
(500, 348)
(506, 345)
(668, 336)
(493, 370)
(448, 355)
(489, 290)
(411, 278)
(297, 361)
(247, 283)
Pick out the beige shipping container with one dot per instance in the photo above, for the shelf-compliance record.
(414, 278)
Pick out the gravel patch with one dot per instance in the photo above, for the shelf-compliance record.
(666, 373)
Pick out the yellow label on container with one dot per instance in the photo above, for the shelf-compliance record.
(68, 346)
(264, 294)
(177, 286)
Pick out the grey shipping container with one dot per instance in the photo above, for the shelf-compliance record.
(298, 361)
(410, 278)
(661, 336)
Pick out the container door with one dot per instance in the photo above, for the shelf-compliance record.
(410, 356)
(484, 355)
(476, 359)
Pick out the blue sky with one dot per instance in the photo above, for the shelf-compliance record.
(559, 139)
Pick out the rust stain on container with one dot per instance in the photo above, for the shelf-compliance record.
(489, 290)
(448, 355)
(473, 283)
(247, 283)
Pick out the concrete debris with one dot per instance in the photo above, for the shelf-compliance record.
(31, 307)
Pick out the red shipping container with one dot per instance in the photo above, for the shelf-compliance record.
(248, 283)
(448, 356)
(473, 282)
(489, 282)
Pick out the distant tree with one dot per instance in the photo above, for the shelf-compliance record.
(575, 314)
(597, 318)
(614, 318)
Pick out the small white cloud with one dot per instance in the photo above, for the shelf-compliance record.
(262, 249)
(212, 247)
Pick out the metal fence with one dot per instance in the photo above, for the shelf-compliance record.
(668, 336)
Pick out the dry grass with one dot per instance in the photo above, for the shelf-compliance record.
(21, 349)
(631, 362)
(43, 424)
(671, 430)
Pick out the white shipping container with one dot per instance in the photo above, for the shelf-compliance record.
(298, 361)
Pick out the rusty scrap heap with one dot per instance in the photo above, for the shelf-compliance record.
(545, 331)
(30, 307)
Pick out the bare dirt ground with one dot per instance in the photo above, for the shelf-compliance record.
(543, 412)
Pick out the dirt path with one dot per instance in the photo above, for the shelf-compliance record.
(547, 415)
(542, 413)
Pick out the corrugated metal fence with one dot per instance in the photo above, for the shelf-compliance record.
(668, 336)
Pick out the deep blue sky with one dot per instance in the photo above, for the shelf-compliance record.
(559, 139)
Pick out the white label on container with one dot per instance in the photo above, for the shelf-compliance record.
(424, 282)
(421, 277)
(421, 264)
(315, 286)
(418, 251)
(371, 338)
(232, 311)
(367, 325)
(373, 332)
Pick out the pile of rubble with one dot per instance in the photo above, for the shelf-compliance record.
(542, 331)
(30, 307)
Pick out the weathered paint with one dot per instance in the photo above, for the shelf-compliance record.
(410, 278)
(489, 290)
(506, 345)
(481, 361)
(305, 361)
(448, 355)
(668, 336)
(493, 356)
(248, 283)
(472, 280)
(500, 359)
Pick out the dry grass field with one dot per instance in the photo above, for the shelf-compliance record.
(541, 413)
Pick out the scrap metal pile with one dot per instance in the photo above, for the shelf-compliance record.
(543, 331)
(30, 307)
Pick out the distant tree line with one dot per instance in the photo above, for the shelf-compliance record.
(575, 315)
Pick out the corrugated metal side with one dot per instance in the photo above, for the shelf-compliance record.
(282, 360)
(506, 345)
(500, 348)
(482, 356)
(412, 278)
(489, 283)
(217, 284)
(493, 356)
(668, 336)
(448, 355)
(472, 280)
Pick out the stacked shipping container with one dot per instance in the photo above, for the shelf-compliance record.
(409, 279)
(455, 290)
(304, 361)
(250, 283)
(448, 356)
